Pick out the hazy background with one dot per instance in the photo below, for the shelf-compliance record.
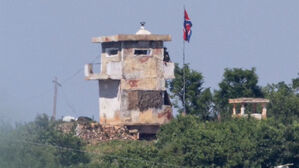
(40, 39)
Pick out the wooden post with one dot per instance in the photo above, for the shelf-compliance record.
(56, 84)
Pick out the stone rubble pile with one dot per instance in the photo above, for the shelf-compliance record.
(95, 132)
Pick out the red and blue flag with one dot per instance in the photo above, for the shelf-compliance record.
(187, 27)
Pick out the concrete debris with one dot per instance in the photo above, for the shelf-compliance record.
(94, 132)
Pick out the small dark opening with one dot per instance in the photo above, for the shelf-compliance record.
(166, 57)
(142, 52)
(166, 99)
(147, 137)
(112, 51)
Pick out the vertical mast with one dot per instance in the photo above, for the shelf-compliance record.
(184, 75)
(56, 84)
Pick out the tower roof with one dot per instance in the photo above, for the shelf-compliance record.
(141, 35)
(131, 37)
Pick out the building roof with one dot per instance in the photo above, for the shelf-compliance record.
(131, 37)
(142, 30)
(248, 100)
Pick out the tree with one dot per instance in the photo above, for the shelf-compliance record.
(236, 83)
(40, 144)
(234, 143)
(284, 103)
(198, 100)
(295, 84)
(189, 142)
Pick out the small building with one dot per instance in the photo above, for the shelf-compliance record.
(254, 102)
(134, 69)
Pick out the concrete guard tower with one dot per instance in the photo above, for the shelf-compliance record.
(134, 69)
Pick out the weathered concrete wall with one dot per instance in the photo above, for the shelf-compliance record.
(151, 116)
(109, 101)
(168, 69)
(114, 69)
(136, 67)
(143, 84)
(105, 58)
(139, 97)
(143, 72)
(145, 107)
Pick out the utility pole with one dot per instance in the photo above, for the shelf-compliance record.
(56, 84)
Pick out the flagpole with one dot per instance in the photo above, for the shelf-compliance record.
(184, 75)
(184, 79)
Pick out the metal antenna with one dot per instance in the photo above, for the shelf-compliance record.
(56, 84)
(142, 23)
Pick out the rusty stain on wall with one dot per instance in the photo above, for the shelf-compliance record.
(133, 83)
(143, 59)
(166, 113)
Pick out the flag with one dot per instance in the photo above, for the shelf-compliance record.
(187, 26)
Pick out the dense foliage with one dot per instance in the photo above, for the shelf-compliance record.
(198, 99)
(193, 140)
(188, 142)
(236, 83)
(38, 144)
(284, 101)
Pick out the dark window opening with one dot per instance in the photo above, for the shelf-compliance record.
(166, 57)
(166, 99)
(142, 52)
(111, 51)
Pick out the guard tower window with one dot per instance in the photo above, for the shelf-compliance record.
(166, 99)
(111, 52)
(144, 52)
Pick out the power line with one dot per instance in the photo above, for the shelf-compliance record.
(47, 91)
(79, 70)
(67, 102)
